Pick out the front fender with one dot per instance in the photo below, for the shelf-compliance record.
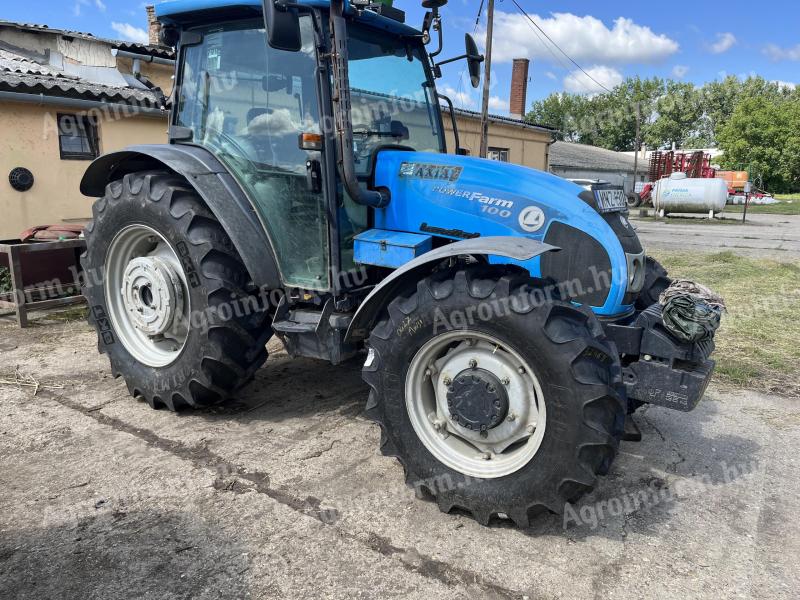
(215, 185)
(514, 248)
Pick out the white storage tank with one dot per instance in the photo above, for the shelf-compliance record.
(679, 193)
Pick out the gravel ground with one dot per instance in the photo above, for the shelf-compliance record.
(284, 494)
(763, 236)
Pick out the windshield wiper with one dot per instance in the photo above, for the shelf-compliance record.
(370, 133)
(396, 130)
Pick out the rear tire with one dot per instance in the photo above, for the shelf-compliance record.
(576, 380)
(201, 331)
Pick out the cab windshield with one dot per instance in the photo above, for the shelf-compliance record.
(393, 99)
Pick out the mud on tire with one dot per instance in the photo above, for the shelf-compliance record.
(577, 368)
(218, 357)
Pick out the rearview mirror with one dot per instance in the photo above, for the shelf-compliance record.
(474, 60)
(283, 26)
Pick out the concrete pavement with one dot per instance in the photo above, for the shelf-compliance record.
(285, 495)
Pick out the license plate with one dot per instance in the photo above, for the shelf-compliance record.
(610, 200)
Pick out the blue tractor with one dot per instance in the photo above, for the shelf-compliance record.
(507, 319)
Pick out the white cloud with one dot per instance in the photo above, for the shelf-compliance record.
(777, 53)
(498, 103)
(679, 71)
(79, 4)
(461, 98)
(128, 32)
(578, 83)
(725, 41)
(551, 75)
(582, 38)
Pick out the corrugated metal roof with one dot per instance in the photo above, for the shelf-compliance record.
(159, 51)
(26, 72)
(581, 156)
(16, 63)
(66, 87)
(501, 119)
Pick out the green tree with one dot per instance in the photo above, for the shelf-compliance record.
(763, 136)
(677, 116)
(561, 111)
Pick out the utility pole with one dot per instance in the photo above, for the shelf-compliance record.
(487, 80)
(638, 144)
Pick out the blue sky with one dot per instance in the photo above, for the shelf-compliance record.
(698, 42)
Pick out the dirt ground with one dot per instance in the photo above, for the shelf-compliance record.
(284, 494)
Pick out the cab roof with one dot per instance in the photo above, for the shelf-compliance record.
(184, 11)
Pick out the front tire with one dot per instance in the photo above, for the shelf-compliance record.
(535, 393)
(169, 295)
(656, 280)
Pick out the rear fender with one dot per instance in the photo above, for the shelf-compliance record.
(215, 185)
(513, 248)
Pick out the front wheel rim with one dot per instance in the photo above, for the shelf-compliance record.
(147, 295)
(489, 449)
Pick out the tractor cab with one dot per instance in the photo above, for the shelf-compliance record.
(264, 106)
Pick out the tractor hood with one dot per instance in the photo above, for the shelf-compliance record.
(460, 197)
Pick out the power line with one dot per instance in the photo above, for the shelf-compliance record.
(522, 10)
(474, 31)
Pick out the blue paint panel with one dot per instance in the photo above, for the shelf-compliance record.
(457, 196)
(390, 249)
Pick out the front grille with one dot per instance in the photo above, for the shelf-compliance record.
(583, 265)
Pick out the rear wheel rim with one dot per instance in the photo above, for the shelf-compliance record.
(147, 295)
(434, 381)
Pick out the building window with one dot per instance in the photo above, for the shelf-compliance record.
(77, 137)
(500, 154)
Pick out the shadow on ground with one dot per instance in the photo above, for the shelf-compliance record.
(118, 554)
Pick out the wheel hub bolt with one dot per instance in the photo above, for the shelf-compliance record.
(521, 370)
(531, 428)
(447, 381)
(486, 456)
(473, 363)
(511, 417)
(505, 381)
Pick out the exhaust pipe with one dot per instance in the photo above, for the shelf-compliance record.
(345, 161)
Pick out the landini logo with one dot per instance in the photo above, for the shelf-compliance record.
(428, 171)
(531, 219)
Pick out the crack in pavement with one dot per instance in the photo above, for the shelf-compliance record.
(202, 457)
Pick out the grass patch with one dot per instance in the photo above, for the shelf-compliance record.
(787, 207)
(71, 314)
(794, 196)
(757, 345)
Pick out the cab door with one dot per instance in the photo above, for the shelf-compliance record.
(248, 103)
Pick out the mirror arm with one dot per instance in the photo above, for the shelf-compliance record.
(452, 60)
(479, 58)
